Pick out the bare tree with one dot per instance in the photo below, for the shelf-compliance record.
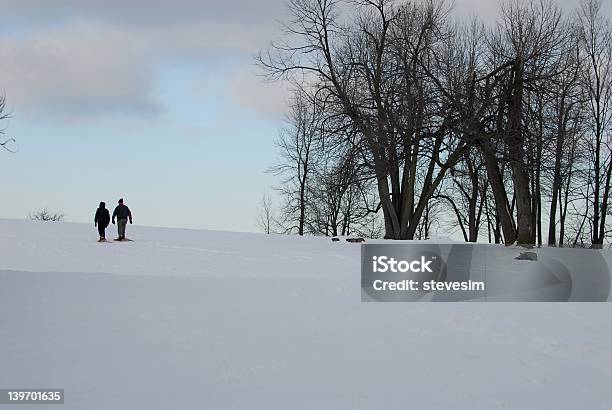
(265, 215)
(372, 73)
(567, 109)
(296, 151)
(5, 142)
(525, 47)
(596, 42)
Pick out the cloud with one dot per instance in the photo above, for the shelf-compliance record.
(101, 58)
(77, 71)
(139, 12)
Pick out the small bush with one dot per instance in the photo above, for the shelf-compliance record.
(45, 215)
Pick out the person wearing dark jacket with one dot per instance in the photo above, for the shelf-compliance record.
(122, 213)
(101, 220)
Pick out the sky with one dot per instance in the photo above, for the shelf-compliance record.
(155, 101)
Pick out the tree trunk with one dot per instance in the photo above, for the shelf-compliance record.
(556, 186)
(502, 205)
(516, 153)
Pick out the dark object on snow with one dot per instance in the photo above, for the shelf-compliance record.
(527, 256)
(102, 219)
(355, 240)
(335, 239)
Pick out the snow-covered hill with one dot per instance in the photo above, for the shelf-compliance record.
(185, 319)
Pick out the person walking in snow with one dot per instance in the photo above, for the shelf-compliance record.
(101, 220)
(122, 213)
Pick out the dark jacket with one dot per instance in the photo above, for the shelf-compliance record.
(122, 212)
(102, 217)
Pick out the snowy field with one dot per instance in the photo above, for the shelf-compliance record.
(186, 319)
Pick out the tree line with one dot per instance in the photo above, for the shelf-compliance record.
(405, 121)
